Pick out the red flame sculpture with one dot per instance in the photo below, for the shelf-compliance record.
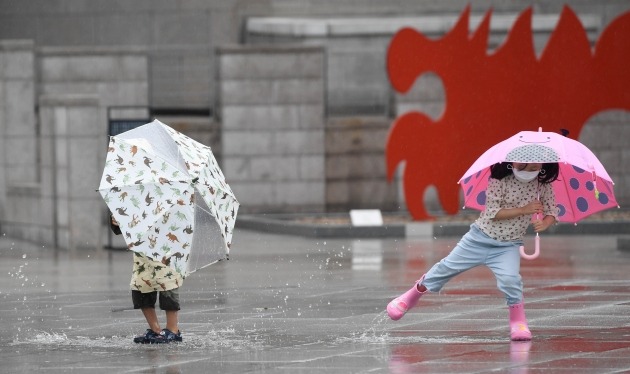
(493, 96)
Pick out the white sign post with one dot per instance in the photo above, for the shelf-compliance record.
(366, 217)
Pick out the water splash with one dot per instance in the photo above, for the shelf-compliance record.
(46, 339)
(378, 334)
(214, 339)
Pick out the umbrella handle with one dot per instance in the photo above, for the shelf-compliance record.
(536, 250)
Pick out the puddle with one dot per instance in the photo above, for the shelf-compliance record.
(378, 334)
(386, 338)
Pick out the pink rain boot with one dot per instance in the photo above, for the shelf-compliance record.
(400, 305)
(518, 323)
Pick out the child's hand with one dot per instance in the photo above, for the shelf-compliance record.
(114, 222)
(532, 208)
(543, 224)
(539, 225)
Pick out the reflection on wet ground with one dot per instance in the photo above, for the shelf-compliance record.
(286, 304)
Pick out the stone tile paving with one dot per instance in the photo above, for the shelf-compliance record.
(286, 304)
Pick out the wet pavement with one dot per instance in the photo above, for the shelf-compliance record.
(287, 304)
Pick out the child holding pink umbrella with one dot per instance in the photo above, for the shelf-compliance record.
(515, 192)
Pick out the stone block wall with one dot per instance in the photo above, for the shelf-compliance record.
(17, 92)
(51, 163)
(607, 134)
(180, 77)
(71, 169)
(19, 154)
(80, 84)
(118, 76)
(271, 109)
(356, 176)
(356, 83)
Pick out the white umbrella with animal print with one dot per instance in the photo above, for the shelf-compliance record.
(169, 197)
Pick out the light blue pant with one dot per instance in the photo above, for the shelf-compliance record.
(474, 249)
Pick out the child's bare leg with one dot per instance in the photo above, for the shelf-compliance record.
(172, 320)
(152, 319)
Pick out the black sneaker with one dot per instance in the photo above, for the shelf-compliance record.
(146, 338)
(166, 336)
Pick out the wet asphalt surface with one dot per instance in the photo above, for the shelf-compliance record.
(287, 304)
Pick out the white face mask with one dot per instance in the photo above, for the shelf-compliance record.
(525, 176)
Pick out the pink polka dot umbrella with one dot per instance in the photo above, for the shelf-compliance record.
(582, 188)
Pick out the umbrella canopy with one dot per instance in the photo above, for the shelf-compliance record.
(169, 196)
(582, 188)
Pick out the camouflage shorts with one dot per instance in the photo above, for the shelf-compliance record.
(149, 275)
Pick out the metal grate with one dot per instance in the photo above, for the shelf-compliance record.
(118, 126)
